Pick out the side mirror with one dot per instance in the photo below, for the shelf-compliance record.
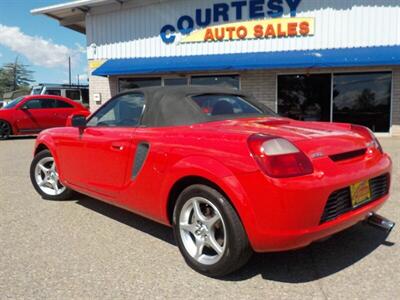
(76, 120)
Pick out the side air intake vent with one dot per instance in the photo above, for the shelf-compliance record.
(140, 157)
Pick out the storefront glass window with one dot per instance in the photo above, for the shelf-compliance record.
(227, 80)
(134, 83)
(363, 98)
(305, 97)
(175, 81)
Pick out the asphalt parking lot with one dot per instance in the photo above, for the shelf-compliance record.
(87, 249)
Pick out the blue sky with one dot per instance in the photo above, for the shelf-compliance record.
(40, 42)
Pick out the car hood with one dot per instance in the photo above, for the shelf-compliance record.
(314, 138)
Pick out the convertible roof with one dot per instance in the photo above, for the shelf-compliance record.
(172, 106)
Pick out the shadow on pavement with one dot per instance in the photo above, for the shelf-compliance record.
(157, 230)
(22, 137)
(318, 260)
(308, 264)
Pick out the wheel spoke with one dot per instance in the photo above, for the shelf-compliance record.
(43, 168)
(199, 248)
(55, 186)
(43, 183)
(212, 242)
(188, 227)
(198, 214)
(211, 222)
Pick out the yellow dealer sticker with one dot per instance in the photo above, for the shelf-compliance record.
(257, 29)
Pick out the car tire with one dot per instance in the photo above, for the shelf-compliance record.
(209, 233)
(44, 177)
(5, 130)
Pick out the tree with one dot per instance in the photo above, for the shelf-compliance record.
(14, 76)
(366, 100)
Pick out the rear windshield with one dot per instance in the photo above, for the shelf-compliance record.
(228, 105)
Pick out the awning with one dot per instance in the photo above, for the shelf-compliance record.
(351, 57)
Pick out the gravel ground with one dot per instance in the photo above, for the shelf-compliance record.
(85, 249)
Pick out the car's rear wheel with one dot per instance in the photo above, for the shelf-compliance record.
(5, 130)
(45, 179)
(209, 232)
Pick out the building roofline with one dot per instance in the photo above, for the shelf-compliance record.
(69, 5)
(73, 14)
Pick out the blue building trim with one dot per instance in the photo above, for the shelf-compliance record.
(331, 58)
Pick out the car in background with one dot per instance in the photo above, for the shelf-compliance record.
(227, 173)
(79, 93)
(27, 115)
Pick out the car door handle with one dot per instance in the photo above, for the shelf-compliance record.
(117, 147)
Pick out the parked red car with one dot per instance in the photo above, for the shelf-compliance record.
(32, 114)
(224, 171)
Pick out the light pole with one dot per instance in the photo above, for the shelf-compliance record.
(69, 69)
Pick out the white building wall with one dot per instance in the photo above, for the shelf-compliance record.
(133, 30)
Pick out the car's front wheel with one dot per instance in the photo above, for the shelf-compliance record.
(209, 232)
(45, 179)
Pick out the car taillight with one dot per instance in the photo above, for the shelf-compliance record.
(278, 157)
(369, 135)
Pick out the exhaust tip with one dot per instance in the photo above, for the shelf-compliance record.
(380, 222)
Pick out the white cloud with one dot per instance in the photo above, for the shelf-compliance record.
(37, 50)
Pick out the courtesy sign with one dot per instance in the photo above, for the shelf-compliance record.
(251, 19)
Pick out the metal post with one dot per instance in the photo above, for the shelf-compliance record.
(69, 69)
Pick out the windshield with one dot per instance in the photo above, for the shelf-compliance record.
(14, 102)
(220, 105)
(37, 90)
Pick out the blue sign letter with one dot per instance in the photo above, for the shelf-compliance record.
(221, 10)
(276, 8)
(167, 34)
(256, 10)
(199, 19)
(293, 5)
(239, 8)
(190, 24)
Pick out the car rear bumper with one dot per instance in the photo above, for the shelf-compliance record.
(287, 240)
(287, 213)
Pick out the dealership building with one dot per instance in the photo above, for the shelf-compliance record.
(313, 60)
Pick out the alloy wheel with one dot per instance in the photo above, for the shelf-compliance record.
(202, 231)
(46, 177)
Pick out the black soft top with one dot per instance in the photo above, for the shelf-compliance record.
(173, 106)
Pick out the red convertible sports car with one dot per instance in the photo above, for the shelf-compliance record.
(224, 171)
(32, 114)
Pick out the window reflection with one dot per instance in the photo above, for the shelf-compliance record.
(363, 98)
(227, 80)
(134, 83)
(305, 97)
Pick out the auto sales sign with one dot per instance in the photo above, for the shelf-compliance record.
(264, 22)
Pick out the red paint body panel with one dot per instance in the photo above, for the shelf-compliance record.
(278, 214)
(30, 121)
